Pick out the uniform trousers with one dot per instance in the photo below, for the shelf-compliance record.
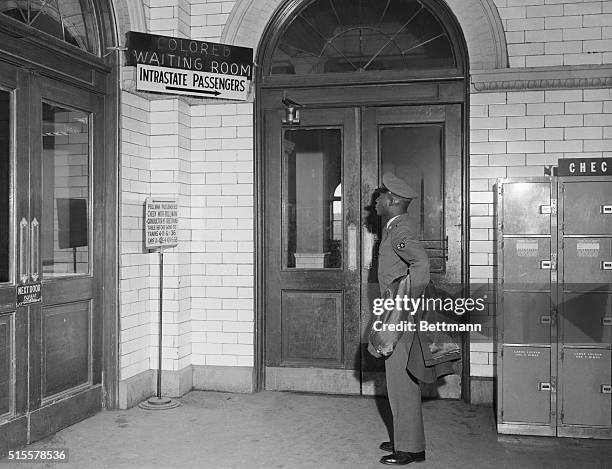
(405, 400)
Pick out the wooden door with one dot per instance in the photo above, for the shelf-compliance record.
(321, 233)
(14, 206)
(312, 228)
(421, 144)
(54, 346)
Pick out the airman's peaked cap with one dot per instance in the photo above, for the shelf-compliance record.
(398, 186)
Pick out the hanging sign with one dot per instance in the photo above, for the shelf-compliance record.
(161, 221)
(28, 294)
(585, 167)
(184, 66)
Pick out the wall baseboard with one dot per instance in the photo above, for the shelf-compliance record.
(137, 388)
(482, 390)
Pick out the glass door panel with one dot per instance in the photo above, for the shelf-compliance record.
(415, 153)
(66, 191)
(5, 185)
(312, 198)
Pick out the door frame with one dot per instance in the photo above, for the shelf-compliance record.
(431, 92)
(33, 51)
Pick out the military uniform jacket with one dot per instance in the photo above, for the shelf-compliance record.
(401, 253)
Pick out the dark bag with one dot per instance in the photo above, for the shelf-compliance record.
(383, 342)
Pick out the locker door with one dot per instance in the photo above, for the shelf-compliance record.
(526, 266)
(587, 396)
(527, 386)
(585, 307)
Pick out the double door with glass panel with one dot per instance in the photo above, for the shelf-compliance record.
(50, 342)
(321, 231)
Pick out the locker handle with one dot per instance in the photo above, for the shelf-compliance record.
(606, 321)
(606, 209)
(606, 389)
(545, 320)
(545, 265)
(545, 209)
(544, 387)
(606, 265)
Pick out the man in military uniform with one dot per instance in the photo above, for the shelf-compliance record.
(401, 253)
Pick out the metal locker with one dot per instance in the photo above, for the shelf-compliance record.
(587, 263)
(527, 263)
(527, 207)
(586, 319)
(526, 385)
(528, 318)
(587, 207)
(586, 394)
(554, 306)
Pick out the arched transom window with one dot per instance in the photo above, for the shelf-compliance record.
(72, 21)
(331, 36)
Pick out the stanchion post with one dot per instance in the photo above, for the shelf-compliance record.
(161, 322)
(158, 402)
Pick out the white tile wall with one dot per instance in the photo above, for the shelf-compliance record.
(544, 33)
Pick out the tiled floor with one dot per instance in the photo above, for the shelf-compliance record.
(287, 430)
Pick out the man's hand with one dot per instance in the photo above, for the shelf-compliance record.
(379, 353)
(373, 351)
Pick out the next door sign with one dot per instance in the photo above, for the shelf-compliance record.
(183, 66)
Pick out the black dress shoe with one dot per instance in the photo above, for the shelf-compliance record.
(387, 446)
(401, 458)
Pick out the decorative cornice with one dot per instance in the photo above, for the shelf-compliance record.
(542, 78)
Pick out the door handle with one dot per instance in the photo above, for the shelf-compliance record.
(34, 253)
(352, 247)
(369, 239)
(24, 251)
